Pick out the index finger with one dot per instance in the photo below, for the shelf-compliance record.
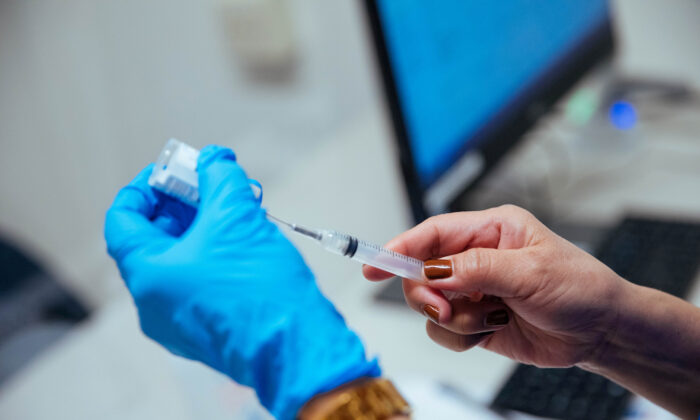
(453, 233)
(137, 196)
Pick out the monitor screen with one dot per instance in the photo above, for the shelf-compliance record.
(457, 64)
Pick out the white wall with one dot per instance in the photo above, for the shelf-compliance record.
(91, 89)
(659, 39)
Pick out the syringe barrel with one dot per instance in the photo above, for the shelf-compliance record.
(389, 261)
(370, 254)
(335, 242)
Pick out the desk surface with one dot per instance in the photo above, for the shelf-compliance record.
(354, 186)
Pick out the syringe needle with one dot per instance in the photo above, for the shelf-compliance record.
(280, 221)
(311, 233)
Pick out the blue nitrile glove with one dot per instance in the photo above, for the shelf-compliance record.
(228, 289)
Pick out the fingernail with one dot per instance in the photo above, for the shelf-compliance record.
(438, 269)
(497, 318)
(475, 296)
(432, 312)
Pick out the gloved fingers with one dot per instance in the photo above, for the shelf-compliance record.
(137, 195)
(128, 223)
(257, 188)
(427, 301)
(169, 224)
(454, 341)
(222, 182)
(172, 215)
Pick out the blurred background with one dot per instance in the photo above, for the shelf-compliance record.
(92, 89)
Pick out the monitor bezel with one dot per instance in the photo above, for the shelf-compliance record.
(506, 128)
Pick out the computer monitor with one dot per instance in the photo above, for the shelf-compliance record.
(465, 79)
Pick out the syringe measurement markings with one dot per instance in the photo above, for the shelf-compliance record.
(395, 254)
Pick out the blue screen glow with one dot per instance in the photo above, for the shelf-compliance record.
(458, 62)
(622, 115)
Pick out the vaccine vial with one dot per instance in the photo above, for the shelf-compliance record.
(175, 172)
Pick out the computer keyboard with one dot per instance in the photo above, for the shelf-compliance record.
(655, 253)
(664, 255)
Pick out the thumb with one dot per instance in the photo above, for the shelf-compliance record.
(222, 182)
(128, 222)
(497, 272)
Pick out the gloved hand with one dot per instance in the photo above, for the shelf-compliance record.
(228, 289)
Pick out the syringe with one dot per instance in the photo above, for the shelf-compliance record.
(359, 250)
(175, 174)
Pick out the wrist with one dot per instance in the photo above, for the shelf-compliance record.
(648, 327)
(652, 349)
(367, 398)
(617, 301)
(323, 402)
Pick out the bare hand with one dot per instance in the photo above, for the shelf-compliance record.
(555, 303)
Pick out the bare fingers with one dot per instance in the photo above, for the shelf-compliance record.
(505, 227)
(454, 341)
(476, 317)
(471, 324)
